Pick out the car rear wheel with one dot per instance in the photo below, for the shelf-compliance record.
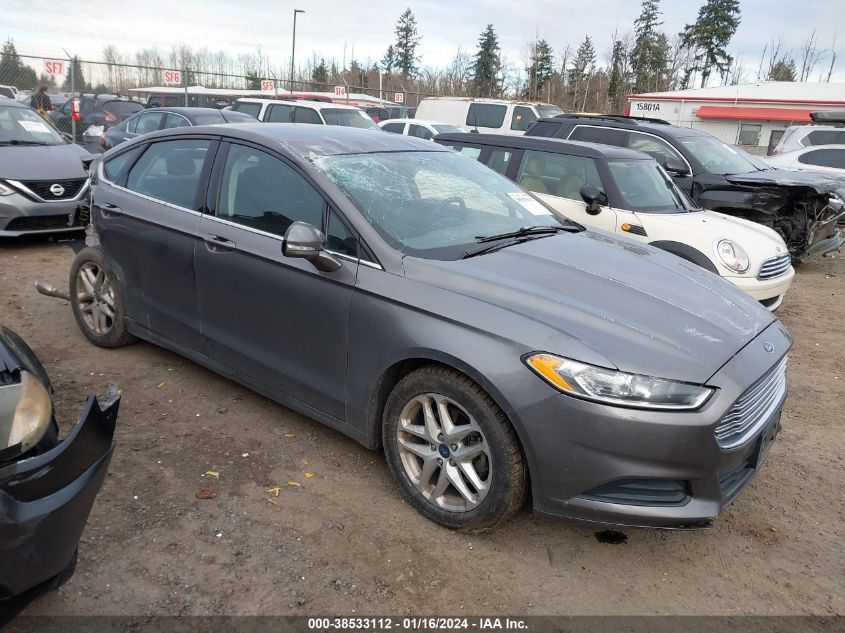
(97, 300)
(452, 450)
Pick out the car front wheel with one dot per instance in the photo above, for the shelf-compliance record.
(452, 450)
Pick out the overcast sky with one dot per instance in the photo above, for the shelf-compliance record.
(45, 27)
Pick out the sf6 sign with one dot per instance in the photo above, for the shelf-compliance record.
(171, 77)
(54, 67)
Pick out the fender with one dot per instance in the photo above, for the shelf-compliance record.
(684, 251)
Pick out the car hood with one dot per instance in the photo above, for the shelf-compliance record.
(821, 183)
(642, 309)
(40, 162)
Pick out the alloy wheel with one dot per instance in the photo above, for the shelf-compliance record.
(444, 452)
(95, 298)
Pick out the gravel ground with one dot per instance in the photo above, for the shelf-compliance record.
(343, 541)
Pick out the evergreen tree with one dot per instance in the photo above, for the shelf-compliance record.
(643, 56)
(407, 40)
(614, 84)
(12, 69)
(388, 63)
(541, 68)
(782, 70)
(486, 65)
(710, 35)
(583, 65)
(253, 80)
(320, 74)
(78, 77)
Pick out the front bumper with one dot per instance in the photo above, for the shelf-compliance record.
(45, 500)
(21, 216)
(827, 245)
(584, 456)
(770, 292)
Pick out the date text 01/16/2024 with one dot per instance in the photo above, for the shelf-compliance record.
(416, 624)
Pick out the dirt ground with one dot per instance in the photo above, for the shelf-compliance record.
(343, 541)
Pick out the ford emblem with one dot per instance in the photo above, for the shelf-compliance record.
(57, 190)
(768, 347)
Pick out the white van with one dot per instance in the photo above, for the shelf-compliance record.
(300, 111)
(494, 116)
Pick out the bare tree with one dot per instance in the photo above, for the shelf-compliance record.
(832, 59)
(810, 56)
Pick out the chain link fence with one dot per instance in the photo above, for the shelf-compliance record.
(84, 97)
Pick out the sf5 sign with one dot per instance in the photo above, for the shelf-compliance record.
(172, 77)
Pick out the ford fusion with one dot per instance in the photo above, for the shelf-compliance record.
(421, 303)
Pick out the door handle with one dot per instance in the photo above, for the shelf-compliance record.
(216, 243)
(109, 210)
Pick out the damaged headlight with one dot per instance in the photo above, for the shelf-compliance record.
(617, 387)
(32, 414)
(732, 256)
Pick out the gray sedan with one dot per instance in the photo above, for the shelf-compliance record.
(423, 304)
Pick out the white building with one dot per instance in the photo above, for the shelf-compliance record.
(752, 115)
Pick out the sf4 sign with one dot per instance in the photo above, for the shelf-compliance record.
(54, 67)
(172, 77)
(340, 91)
(398, 97)
(268, 85)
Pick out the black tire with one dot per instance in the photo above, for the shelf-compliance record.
(508, 478)
(118, 334)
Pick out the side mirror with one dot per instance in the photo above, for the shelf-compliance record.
(305, 241)
(593, 197)
(676, 167)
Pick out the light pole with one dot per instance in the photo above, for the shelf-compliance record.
(293, 45)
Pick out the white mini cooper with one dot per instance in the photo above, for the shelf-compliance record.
(624, 191)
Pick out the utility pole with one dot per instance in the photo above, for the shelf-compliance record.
(293, 46)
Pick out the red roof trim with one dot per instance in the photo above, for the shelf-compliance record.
(732, 100)
(757, 114)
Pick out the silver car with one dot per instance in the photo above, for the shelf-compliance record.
(419, 302)
(43, 184)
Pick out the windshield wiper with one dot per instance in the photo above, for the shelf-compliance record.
(529, 230)
(16, 141)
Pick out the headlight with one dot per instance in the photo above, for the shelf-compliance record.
(732, 256)
(32, 415)
(617, 387)
(5, 190)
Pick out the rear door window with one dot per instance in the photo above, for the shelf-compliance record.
(824, 158)
(278, 113)
(419, 131)
(175, 120)
(486, 114)
(825, 137)
(306, 115)
(170, 171)
(558, 174)
(522, 118)
(147, 122)
(655, 147)
(545, 128)
(500, 160)
(396, 128)
(604, 135)
(252, 109)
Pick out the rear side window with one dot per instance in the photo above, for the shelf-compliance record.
(396, 128)
(522, 118)
(176, 120)
(544, 128)
(419, 131)
(655, 147)
(824, 158)
(122, 109)
(278, 113)
(604, 135)
(252, 109)
(558, 174)
(486, 114)
(306, 115)
(145, 123)
(116, 168)
(260, 191)
(825, 137)
(170, 171)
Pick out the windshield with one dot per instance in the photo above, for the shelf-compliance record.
(434, 204)
(645, 187)
(25, 127)
(548, 110)
(348, 118)
(717, 157)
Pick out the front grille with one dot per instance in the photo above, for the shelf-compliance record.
(753, 408)
(775, 267)
(40, 223)
(41, 188)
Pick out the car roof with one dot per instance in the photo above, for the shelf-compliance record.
(810, 148)
(188, 110)
(655, 126)
(422, 121)
(5, 101)
(317, 105)
(542, 143)
(488, 100)
(308, 140)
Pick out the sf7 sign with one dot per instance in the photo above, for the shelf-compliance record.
(54, 67)
(172, 77)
